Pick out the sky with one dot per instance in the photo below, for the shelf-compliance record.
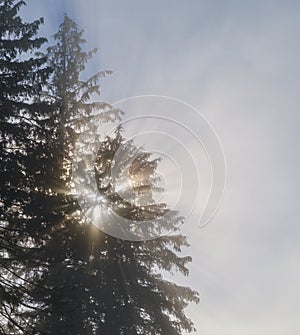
(236, 62)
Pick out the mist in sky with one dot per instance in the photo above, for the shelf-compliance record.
(238, 64)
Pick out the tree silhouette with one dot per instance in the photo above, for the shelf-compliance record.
(137, 299)
(61, 291)
(22, 77)
(61, 274)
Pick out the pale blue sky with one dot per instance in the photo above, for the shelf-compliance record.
(238, 63)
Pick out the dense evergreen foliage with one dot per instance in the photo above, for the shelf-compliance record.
(59, 273)
(22, 77)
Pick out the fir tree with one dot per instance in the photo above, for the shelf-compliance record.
(61, 291)
(100, 284)
(60, 274)
(22, 76)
